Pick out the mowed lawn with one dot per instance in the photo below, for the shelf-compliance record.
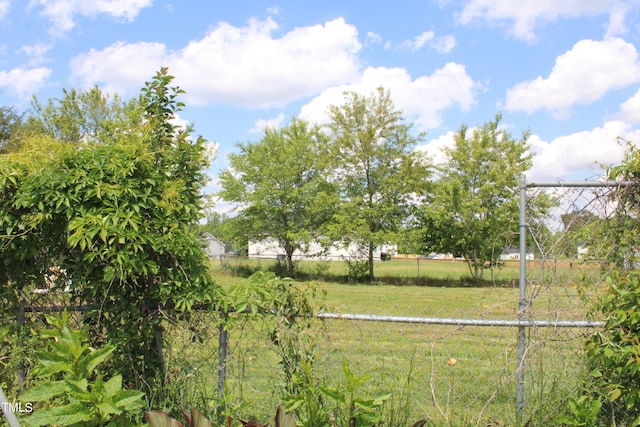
(413, 362)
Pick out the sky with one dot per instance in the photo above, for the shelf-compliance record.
(566, 71)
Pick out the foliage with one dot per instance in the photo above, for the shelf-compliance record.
(359, 411)
(357, 271)
(11, 122)
(612, 387)
(583, 412)
(578, 228)
(117, 214)
(611, 390)
(280, 183)
(474, 210)
(378, 175)
(621, 245)
(81, 116)
(72, 388)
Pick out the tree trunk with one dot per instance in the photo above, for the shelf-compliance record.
(371, 276)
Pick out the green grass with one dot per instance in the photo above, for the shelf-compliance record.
(396, 271)
(409, 359)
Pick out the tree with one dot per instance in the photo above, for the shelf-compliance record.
(82, 116)
(10, 124)
(474, 209)
(119, 217)
(280, 185)
(377, 174)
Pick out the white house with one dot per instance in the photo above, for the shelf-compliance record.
(213, 246)
(511, 254)
(269, 247)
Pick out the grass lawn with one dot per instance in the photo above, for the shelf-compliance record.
(411, 362)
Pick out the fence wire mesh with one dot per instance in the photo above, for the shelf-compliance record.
(457, 365)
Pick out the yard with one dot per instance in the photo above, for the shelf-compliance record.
(452, 375)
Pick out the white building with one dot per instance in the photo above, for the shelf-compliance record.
(269, 247)
(213, 246)
(511, 254)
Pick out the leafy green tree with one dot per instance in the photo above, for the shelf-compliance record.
(118, 215)
(578, 228)
(618, 240)
(81, 116)
(10, 124)
(281, 186)
(378, 174)
(474, 210)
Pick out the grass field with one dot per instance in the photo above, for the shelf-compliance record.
(411, 362)
(399, 270)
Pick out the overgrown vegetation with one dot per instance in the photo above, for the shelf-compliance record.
(72, 387)
(107, 209)
(610, 393)
(99, 205)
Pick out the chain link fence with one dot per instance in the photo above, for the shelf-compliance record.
(503, 355)
(514, 357)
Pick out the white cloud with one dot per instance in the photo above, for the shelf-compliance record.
(62, 13)
(630, 109)
(4, 8)
(428, 38)
(24, 82)
(444, 44)
(525, 15)
(576, 156)
(373, 38)
(260, 125)
(617, 25)
(245, 66)
(419, 41)
(580, 76)
(120, 67)
(434, 148)
(36, 52)
(579, 153)
(422, 100)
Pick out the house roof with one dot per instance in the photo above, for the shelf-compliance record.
(208, 236)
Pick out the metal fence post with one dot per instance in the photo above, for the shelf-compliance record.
(222, 360)
(7, 410)
(522, 305)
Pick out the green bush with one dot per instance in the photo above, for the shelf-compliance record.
(611, 390)
(71, 390)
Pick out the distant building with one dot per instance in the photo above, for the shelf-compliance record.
(511, 254)
(268, 247)
(212, 246)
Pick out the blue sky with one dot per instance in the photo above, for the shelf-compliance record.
(568, 71)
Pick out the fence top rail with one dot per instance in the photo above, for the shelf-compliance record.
(583, 184)
(465, 322)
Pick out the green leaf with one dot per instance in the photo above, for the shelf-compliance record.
(129, 400)
(615, 394)
(89, 362)
(113, 385)
(59, 416)
(333, 393)
(45, 391)
(106, 408)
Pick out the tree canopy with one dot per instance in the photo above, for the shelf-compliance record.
(378, 175)
(117, 215)
(281, 185)
(473, 212)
